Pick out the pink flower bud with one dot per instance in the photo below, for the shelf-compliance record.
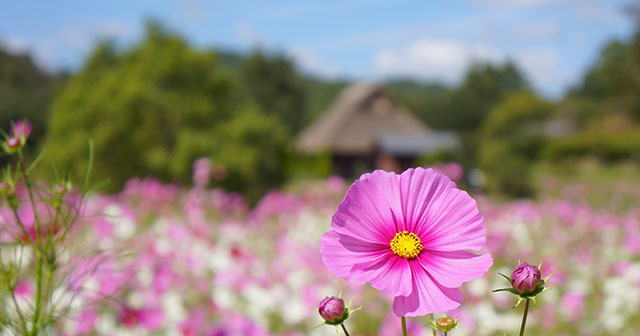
(201, 172)
(21, 129)
(526, 278)
(4, 187)
(446, 323)
(61, 188)
(333, 310)
(13, 142)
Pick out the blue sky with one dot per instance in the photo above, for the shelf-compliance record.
(553, 41)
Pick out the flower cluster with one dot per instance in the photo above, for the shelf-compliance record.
(159, 259)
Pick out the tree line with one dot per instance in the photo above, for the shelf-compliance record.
(155, 107)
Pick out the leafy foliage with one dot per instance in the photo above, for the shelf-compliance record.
(512, 138)
(25, 92)
(154, 109)
(275, 86)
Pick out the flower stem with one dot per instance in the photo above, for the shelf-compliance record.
(404, 326)
(344, 329)
(433, 330)
(524, 317)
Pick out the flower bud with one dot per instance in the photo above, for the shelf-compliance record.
(5, 187)
(526, 278)
(444, 324)
(333, 310)
(13, 142)
(61, 188)
(21, 130)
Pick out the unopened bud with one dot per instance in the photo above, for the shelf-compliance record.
(13, 142)
(61, 188)
(526, 278)
(5, 187)
(21, 130)
(444, 324)
(333, 310)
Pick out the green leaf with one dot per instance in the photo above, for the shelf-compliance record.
(506, 277)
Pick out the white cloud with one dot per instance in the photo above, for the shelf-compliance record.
(426, 59)
(310, 62)
(599, 14)
(542, 67)
(193, 11)
(64, 47)
(14, 45)
(536, 31)
(251, 36)
(449, 60)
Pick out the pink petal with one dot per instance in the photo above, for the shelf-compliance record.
(371, 208)
(341, 252)
(455, 223)
(419, 188)
(388, 273)
(451, 269)
(427, 296)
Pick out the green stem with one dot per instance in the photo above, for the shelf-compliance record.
(23, 321)
(404, 326)
(36, 314)
(344, 329)
(38, 248)
(433, 330)
(524, 317)
(23, 169)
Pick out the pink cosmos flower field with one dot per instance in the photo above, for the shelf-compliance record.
(171, 261)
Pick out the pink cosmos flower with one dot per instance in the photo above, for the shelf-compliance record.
(201, 172)
(408, 236)
(19, 133)
(21, 129)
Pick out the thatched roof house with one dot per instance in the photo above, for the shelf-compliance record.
(366, 129)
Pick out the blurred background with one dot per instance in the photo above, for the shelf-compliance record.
(510, 88)
(534, 101)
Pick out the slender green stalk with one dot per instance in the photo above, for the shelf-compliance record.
(38, 248)
(432, 330)
(36, 314)
(344, 329)
(23, 321)
(445, 333)
(404, 326)
(15, 214)
(31, 198)
(12, 289)
(524, 317)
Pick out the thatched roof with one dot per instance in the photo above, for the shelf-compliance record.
(355, 122)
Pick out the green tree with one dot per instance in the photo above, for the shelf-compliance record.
(272, 82)
(613, 80)
(431, 102)
(25, 92)
(156, 107)
(511, 140)
(482, 89)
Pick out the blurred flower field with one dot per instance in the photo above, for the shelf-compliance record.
(161, 260)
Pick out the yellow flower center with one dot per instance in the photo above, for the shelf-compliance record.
(406, 245)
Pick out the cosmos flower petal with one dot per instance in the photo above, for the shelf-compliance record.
(455, 224)
(453, 268)
(341, 252)
(390, 274)
(427, 296)
(370, 208)
(418, 189)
